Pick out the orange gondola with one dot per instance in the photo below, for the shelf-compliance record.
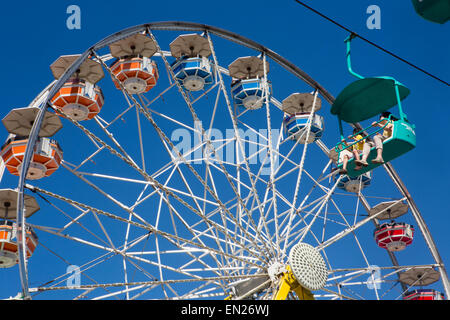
(79, 99)
(9, 247)
(137, 74)
(46, 158)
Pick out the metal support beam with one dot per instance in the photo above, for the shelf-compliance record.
(288, 283)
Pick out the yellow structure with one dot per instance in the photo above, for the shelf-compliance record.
(288, 283)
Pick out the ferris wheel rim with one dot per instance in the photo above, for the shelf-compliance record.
(231, 36)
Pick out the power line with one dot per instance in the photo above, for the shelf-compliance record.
(372, 43)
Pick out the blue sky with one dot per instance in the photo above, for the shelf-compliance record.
(34, 34)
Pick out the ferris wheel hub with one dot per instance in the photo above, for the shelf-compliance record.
(7, 259)
(194, 83)
(76, 111)
(308, 266)
(275, 270)
(135, 85)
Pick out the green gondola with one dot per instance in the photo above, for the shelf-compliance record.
(433, 10)
(364, 99)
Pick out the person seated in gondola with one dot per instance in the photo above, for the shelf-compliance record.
(344, 156)
(356, 149)
(386, 122)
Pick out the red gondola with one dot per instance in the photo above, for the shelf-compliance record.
(423, 294)
(394, 236)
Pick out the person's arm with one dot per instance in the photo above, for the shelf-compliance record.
(379, 123)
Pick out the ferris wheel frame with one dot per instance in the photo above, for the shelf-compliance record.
(43, 99)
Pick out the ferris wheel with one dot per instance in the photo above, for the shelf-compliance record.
(177, 160)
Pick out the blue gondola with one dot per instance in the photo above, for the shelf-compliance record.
(192, 68)
(193, 73)
(295, 127)
(248, 93)
(249, 80)
(298, 109)
(356, 184)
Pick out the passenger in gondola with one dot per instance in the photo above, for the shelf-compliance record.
(386, 122)
(350, 152)
(358, 147)
(344, 156)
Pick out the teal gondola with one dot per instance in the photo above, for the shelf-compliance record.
(364, 99)
(433, 10)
